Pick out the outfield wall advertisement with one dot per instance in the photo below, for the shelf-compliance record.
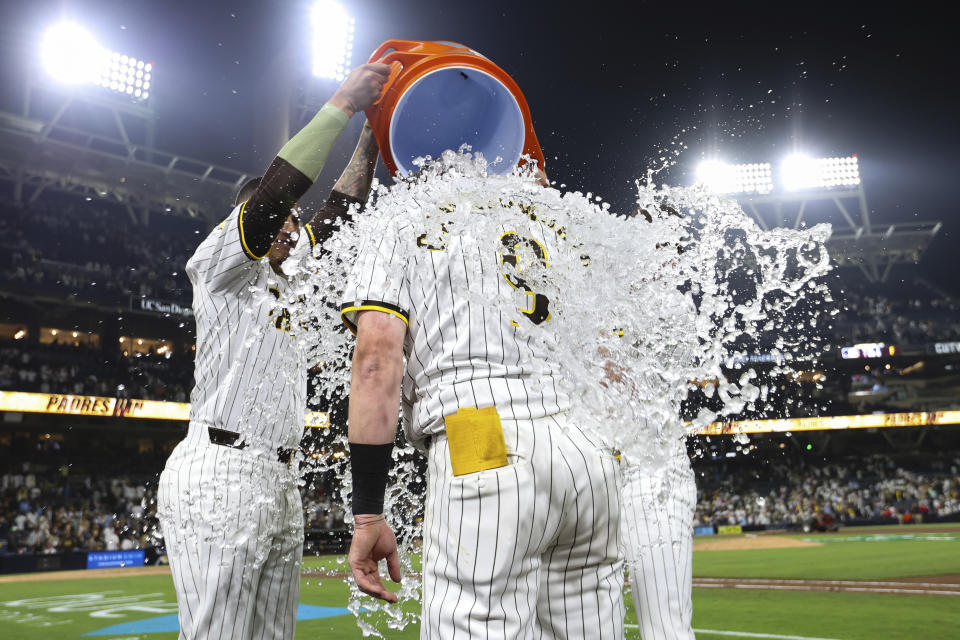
(66, 404)
(100, 406)
(133, 408)
(115, 559)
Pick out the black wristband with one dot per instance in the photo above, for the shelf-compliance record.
(369, 464)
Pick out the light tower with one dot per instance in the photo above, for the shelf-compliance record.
(331, 56)
(804, 189)
(85, 124)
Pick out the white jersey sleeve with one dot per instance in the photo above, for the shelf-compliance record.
(379, 279)
(223, 260)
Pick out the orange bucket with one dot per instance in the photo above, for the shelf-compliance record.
(441, 95)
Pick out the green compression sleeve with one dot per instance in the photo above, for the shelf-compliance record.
(308, 150)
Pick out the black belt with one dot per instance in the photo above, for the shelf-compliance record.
(226, 438)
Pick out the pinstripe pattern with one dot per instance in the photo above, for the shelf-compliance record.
(659, 499)
(530, 550)
(232, 518)
(459, 354)
(233, 525)
(657, 528)
(244, 371)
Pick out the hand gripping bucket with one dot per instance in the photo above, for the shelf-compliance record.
(441, 95)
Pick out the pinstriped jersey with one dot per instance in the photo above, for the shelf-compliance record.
(460, 351)
(249, 375)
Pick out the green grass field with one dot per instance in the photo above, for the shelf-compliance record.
(142, 606)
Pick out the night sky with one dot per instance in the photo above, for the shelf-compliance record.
(615, 88)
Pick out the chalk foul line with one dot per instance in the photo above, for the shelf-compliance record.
(744, 634)
(830, 582)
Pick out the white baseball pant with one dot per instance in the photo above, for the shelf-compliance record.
(232, 521)
(529, 550)
(657, 525)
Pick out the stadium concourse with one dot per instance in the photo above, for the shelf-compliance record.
(109, 316)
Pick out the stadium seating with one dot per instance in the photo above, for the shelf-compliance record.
(55, 508)
(65, 246)
(64, 368)
(854, 490)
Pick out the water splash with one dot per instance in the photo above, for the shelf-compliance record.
(643, 309)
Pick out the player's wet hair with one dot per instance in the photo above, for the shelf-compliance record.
(247, 190)
(664, 207)
(667, 210)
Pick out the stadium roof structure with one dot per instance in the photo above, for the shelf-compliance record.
(856, 241)
(77, 141)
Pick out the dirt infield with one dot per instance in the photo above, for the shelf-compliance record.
(85, 574)
(944, 585)
(749, 542)
(945, 578)
(904, 528)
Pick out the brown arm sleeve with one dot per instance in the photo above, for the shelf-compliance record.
(267, 209)
(323, 224)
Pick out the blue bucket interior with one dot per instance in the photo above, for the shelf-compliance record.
(452, 106)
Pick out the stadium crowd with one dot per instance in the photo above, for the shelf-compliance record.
(67, 247)
(53, 511)
(46, 512)
(64, 368)
(819, 495)
(899, 316)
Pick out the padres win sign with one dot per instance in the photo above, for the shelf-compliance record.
(66, 404)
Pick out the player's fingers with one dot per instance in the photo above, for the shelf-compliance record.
(379, 68)
(369, 583)
(386, 595)
(393, 566)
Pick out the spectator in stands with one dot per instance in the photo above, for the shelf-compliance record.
(84, 371)
(58, 245)
(855, 490)
(59, 513)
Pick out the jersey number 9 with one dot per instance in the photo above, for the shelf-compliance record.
(539, 310)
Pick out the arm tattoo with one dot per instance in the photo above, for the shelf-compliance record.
(353, 187)
(356, 178)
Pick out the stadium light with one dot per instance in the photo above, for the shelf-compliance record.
(332, 40)
(802, 172)
(799, 172)
(71, 55)
(721, 177)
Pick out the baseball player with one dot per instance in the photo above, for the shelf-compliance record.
(657, 508)
(659, 492)
(521, 529)
(228, 500)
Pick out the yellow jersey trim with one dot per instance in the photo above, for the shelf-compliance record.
(368, 307)
(313, 241)
(243, 240)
